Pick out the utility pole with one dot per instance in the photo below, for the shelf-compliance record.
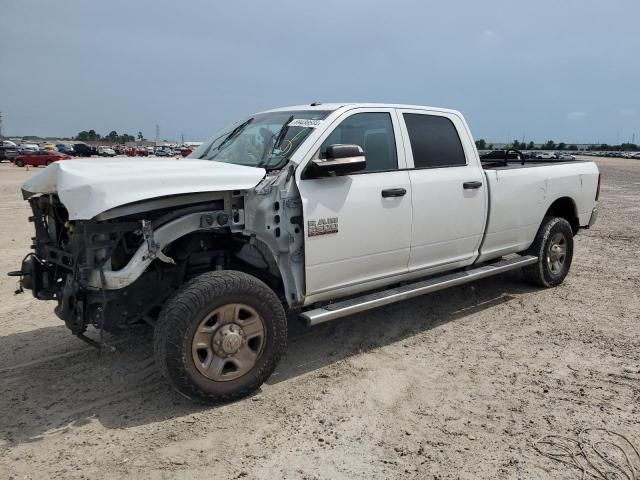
(182, 139)
(157, 134)
(0, 125)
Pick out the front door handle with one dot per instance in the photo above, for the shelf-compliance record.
(471, 185)
(394, 192)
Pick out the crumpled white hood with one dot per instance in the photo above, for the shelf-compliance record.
(91, 186)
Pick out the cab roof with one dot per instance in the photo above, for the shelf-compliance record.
(350, 105)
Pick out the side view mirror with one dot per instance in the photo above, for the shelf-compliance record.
(339, 160)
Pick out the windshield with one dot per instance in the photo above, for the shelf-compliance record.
(263, 140)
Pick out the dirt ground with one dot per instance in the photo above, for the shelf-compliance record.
(457, 384)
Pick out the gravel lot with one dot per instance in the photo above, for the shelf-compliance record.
(457, 384)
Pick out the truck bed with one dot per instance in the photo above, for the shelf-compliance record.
(500, 165)
(520, 195)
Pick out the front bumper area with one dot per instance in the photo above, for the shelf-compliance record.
(65, 255)
(47, 282)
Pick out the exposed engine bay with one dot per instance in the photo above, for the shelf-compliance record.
(117, 270)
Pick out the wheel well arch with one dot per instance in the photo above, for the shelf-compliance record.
(262, 261)
(240, 252)
(565, 207)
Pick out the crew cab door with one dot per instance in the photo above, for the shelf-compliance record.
(448, 190)
(358, 226)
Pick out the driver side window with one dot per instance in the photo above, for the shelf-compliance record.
(371, 131)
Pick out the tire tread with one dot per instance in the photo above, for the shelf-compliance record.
(535, 273)
(179, 313)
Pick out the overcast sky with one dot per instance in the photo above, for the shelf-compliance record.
(546, 69)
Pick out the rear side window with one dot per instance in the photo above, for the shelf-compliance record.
(374, 133)
(434, 141)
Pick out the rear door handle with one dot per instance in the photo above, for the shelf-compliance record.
(394, 192)
(471, 185)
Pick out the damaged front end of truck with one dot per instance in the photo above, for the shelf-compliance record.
(116, 269)
(208, 250)
(112, 274)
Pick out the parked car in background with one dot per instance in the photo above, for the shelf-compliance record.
(48, 146)
(565, 156)
(83, 150)
(106, 152)
(39, 158)
(8, 150)
(164, 152)
(28, 147)
(545, 155)
(64, 148)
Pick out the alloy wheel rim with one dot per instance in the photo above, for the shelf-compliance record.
(557, 253)
(228, 342)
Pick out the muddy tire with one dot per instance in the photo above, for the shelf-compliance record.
(220, 336)
(553, 246)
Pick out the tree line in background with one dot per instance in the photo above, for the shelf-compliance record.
(112, 137)
(481, 144)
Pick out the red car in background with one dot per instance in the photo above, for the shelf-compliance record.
(39, 158)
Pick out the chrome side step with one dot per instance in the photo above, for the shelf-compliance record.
(397, 294)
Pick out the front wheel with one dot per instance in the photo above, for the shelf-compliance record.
(19, 163)
(220, 336)
(553, 246)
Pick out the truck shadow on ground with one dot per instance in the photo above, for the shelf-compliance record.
(71, 385)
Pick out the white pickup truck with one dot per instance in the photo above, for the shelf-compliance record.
(319, 211)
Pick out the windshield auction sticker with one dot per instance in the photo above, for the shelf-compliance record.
(303, 122)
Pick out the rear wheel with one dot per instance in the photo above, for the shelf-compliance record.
(553, 246)
(49, 162)
(220, 336)
(19, 163)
